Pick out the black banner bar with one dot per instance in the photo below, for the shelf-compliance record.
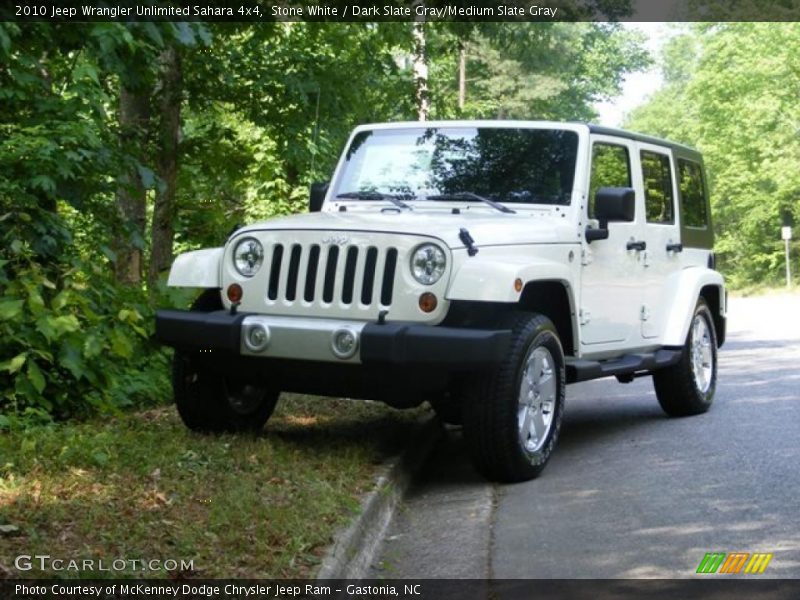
(259, 11)
(712, 587)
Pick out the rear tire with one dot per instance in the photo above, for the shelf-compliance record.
(687, 387)
(513, 413)
(209, 402)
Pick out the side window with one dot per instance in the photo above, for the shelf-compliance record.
(611, 167)
(693, 194)
(658, 199)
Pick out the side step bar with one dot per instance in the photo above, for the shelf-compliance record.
(584, 370)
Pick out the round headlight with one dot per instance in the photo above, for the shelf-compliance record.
(248, 256)
(428, 263)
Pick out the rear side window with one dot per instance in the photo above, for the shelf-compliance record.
(611, 167)
(693, 194)
(658, 198)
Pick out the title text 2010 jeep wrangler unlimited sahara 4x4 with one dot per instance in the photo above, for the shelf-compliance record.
(478, 265)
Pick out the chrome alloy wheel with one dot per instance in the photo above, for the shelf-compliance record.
(537, 399)
(702, 354)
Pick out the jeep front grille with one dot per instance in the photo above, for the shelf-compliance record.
(331, 274)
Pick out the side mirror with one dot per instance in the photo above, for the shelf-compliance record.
(317, 195)
(615, 204)
(611, 204)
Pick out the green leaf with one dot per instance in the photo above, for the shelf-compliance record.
(5, 41)
(120, 344)
(65, 324)
(36, 377)
(44, 183)
(70, 359)
(44, 326)
(15, 364)
(129, 315)
(61, 300)
(10, 309)
(35, 301)
(85, 69)
(93, 346)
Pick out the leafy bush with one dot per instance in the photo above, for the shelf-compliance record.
(71, 341)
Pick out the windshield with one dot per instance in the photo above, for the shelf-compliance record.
(502, 164)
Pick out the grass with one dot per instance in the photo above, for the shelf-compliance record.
(143, 487)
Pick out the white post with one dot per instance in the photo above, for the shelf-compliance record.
(786, 234)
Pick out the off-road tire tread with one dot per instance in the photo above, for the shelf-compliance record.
(675, 386)
(493, 448)
(204, 408)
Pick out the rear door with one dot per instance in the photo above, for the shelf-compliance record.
(662, 257)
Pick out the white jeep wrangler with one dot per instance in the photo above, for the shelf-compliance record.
(478, 265)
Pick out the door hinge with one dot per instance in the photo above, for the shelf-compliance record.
(644, 314)
(585, 316)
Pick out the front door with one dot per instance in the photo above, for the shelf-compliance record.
(611, 283)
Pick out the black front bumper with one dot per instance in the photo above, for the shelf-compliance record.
(388, 344)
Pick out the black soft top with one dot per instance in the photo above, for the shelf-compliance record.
(680, 149)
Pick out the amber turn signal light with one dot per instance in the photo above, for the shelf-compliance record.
(428, 302)
(235, 293)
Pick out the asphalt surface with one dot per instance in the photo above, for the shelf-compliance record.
(629, 492)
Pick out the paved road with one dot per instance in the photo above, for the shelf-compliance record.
(630, 492)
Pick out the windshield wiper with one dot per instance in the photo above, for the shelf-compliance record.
(375, 196)
(471, 196)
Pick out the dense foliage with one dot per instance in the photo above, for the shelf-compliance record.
(731, 91)
(122, 144)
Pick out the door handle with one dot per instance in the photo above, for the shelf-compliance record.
(639, 246)
(674, 247)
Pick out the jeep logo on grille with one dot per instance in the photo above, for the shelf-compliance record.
(339, 240)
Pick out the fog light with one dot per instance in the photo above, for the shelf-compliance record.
(344, 343)
(428, 302)
(235, 293)
(257, 338)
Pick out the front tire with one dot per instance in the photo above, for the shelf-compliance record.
(687, 387)
(210, 402)
(512, 414)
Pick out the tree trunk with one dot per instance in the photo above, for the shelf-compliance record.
(169, 107)
(420, 68)
(462, 74)
(131, 198)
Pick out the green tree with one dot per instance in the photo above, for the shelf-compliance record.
(731, 91)
(530, 70)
